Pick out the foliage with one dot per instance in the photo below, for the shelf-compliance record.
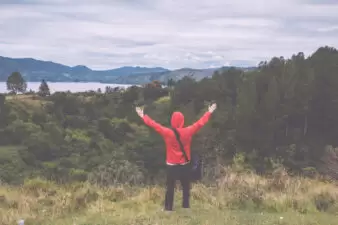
(44, 89)
(16, 83)
(234, 198)
(282, 115)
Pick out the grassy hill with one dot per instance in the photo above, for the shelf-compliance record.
(236, 198)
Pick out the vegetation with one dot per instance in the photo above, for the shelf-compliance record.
(44, 89)
(278, 121)
(236, 198)
(16, 83)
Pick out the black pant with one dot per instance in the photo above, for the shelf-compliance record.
(181, 173)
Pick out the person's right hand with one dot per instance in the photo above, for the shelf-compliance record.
(212, 108)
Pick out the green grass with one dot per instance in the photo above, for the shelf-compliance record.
(151, 215)
(235, 199)
(26, 103)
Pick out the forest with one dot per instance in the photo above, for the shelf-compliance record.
(281, 115)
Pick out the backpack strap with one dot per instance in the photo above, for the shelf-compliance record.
(181, 145)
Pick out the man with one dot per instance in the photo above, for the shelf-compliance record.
(177, 167)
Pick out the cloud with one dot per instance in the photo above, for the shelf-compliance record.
(106, 34)
(321, 2)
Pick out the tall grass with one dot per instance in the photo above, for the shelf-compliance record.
(38, 200)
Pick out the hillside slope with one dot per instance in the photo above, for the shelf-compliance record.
(36, 70)
(197, 74)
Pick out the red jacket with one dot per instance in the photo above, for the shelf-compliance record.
(173, 153)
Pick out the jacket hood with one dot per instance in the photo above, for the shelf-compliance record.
(177, 120)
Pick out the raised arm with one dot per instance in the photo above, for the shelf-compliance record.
(203, 120)
(150, 122)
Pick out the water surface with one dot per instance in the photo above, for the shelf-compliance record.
(67, 86)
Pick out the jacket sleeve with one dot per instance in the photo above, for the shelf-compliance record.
(200, 123)
(156, 126)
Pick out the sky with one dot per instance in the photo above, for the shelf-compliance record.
(106, 34)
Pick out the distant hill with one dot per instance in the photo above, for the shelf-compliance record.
(36, 70)
(197, 74)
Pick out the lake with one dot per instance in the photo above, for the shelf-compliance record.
(67, 86)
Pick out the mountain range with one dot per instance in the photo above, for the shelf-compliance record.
(36, 70)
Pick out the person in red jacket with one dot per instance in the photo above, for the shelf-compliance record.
(177, 167)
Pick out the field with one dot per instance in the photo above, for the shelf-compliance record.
(237, 198)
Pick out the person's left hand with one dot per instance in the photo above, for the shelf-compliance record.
(212, 108)
(139, 111)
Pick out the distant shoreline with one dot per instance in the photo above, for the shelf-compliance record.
(68, 86)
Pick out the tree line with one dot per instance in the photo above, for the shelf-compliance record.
(281, 115)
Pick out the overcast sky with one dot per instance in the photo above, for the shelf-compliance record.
(103, 34)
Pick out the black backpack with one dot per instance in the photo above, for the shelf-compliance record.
(196, 162)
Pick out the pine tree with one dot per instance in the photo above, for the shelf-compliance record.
(44, 89)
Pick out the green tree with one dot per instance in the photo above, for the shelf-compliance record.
(43, 89)
(16, 83)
